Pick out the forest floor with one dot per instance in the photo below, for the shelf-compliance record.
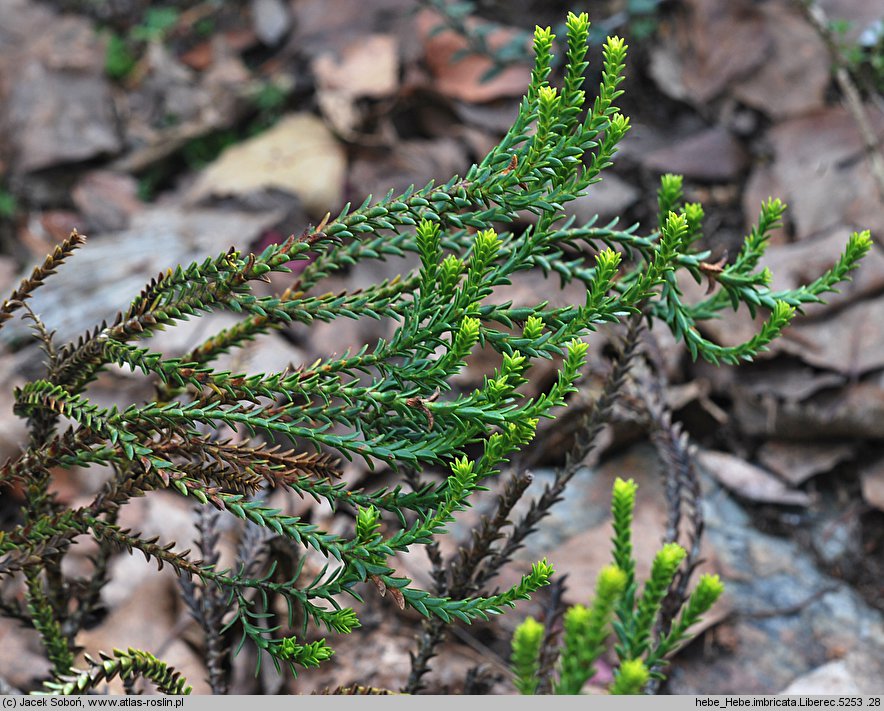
(169, 131)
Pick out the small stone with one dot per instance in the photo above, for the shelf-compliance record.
(20, 656)
(851, 343)
(831, 678)
(272, 21)
(872, 480)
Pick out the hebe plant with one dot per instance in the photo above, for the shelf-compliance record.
(392, 403)
(617, 610)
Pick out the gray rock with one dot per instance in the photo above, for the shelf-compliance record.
(60, 116)
(790, 617)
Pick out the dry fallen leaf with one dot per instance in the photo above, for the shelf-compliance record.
(713, 155)
(709, 44)
(795, 462)
(462, 79)
(855, 412)
(367, 69)
(298, 155)
(851, 342)
(794, 78)
(819, 162)
(749, 481)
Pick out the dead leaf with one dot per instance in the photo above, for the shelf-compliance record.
(367, 69)
(851, 342)
(856, 412)
(708, 45)
(21, 656)
(796, 73)
(128, 625)
(462, 79)
(198, 57)
(107, 199)
(69, 42)
(321, 24)
(608, 199)
(412, 163)
(749, 481)
(58, 224)
(787, 382)
(379, 585)
(398, 597)
(819, 162)
(801, 262)
(796, 463)
(395, 593)
(59, 116)
(298, 155)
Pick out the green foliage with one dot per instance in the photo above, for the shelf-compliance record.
(393, 403)
(157, 23)
(269, 102)
(8, 204)
(119, 60)
(199, 152)
(526, 649)
(619, 612)
(586, 630)
(642, 17)
(122, 51)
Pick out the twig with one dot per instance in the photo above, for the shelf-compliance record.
(788, 609)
